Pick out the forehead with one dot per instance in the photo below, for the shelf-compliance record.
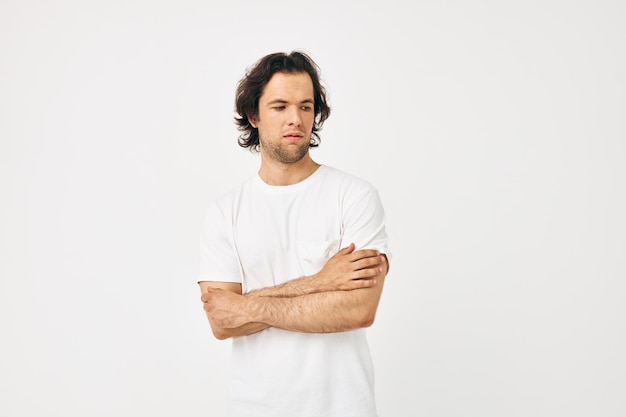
(287, 86)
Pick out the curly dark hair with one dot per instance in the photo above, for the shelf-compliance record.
(251, 87)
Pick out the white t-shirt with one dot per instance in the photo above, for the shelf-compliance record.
(260, 236)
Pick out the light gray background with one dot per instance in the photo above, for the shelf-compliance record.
(494, 131)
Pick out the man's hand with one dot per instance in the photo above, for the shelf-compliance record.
(350, 270)
(226, 309)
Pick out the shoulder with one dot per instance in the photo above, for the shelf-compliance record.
(345, 181)
(226, 201)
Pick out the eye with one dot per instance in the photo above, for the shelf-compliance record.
(279, 108)
(306, 108)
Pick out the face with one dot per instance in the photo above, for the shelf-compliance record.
(286, 116)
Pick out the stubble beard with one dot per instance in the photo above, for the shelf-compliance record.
(286, 154)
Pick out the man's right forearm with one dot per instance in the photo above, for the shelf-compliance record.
(321, 312)
(346, 270)
(294, 288)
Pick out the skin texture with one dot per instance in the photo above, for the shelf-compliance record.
(342, 296)
(345, 293)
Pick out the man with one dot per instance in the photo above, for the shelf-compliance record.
(294, 259)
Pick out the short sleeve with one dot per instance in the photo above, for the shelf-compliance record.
(364, 222)
(218, 257)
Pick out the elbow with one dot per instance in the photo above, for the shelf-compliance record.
(220, 334)
(366, 319)
(369, 320)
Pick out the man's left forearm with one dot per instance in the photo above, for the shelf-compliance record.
(322, 312)
(319, 312)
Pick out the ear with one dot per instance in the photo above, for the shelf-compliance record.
(252, 120)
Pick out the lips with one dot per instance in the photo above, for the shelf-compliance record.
(293, 135)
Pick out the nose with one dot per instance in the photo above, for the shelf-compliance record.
(294, 118)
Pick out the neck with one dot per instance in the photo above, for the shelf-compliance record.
(276, 173)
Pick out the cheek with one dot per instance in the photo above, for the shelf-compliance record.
(309, 118)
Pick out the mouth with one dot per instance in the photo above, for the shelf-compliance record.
(293, 136)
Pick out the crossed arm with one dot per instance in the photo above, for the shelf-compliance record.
(343, 295)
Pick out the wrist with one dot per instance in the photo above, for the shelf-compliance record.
(252, 308)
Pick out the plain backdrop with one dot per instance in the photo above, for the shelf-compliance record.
(494, 131)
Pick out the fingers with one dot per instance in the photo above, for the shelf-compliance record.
(362, 278)
(347, 250)
(369, 262)
(365, 283)
(367, 273)
(207, 295)
(356, 284)
(352, 256)
(363, 253)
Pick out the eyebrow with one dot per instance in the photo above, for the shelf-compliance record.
(281, 101)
